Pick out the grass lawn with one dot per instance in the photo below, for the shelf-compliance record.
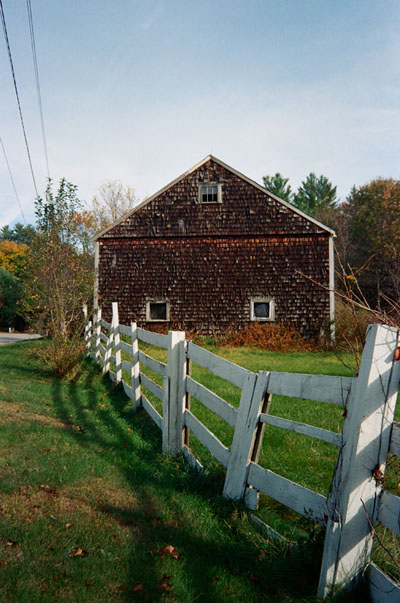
(90, 510)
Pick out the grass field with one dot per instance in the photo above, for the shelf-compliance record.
(90, 510)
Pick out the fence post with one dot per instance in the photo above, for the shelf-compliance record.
(87, 330)
(109, 347)
(135, 379)
(118, 359)
(88, 336)
(253, 394)
(174, 402)
(97, 336)
(357, 484)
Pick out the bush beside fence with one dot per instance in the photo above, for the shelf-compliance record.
(357, 499)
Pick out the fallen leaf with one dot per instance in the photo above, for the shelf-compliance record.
(89, 583)
(68, 525)
(3, 563)
(138, 588)
(79, 553)
(46, 450)
(46, 488)
(164, 585)
(169, 550)
(10, 543)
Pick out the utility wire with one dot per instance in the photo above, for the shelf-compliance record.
(35, 65)
(12, 180)
(17, 95)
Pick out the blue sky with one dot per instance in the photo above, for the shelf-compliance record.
(142, 90)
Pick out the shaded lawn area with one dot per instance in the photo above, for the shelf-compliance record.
(90, 509)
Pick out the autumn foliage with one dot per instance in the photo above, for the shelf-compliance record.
(276, 337)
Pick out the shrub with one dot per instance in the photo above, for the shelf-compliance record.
(276, 337)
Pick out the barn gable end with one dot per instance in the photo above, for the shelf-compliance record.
(210, 256)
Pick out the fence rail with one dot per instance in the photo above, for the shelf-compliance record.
(357, 500)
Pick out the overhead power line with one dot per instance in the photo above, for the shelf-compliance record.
(12, 180)
(17, 95)
(35, 65)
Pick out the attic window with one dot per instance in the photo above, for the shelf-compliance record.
(210, 193)
(157, 311)
(262, 309)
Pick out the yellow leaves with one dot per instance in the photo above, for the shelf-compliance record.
(13, 256)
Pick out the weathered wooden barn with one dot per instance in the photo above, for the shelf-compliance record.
(214, 250)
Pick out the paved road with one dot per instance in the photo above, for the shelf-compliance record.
(12, 337)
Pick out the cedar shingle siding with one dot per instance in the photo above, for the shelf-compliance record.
(208, 260)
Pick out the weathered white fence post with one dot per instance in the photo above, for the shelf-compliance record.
(88, 329)
(174, 402)
(109, 347)
(357, 483)
(253, 394)
(135, 378)
(97, 335)
(118, 359)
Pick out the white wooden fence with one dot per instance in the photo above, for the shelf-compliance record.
(357, 499)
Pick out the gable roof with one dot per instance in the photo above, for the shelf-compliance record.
(230, 169)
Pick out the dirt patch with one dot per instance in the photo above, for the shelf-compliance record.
(98, 500)
(10, 412)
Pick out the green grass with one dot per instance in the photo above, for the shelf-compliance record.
(299, 458)
(88, 501)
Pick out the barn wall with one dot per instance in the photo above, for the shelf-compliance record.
(209, 281)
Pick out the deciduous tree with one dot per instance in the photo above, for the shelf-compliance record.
(372, 212)
(61, 277)
(14, 257)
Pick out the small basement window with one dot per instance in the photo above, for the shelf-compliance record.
(262, 309)
(157, 311)
(210, 193)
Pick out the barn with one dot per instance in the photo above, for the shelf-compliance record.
(213, 250)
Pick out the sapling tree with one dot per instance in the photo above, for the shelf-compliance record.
(60, 277)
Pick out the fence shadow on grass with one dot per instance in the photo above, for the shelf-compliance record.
(171, 500)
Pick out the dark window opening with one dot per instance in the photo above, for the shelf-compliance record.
(261, 309)
(157, 311)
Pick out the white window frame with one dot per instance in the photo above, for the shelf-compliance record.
(203, 185)
(156, 301)
(262, 300)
